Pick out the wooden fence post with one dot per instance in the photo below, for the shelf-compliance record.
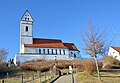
(7, 76)
(33, 78)
(22, 78)
(48, 75)
(3, 81)
(40, 76)
(45, 77)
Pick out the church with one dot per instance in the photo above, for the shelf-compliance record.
(41, 48)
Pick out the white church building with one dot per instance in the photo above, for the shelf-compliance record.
(41, 48)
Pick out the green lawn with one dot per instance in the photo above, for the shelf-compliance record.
(106, 77)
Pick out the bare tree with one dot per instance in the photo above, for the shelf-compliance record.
(3, 54)
(94, 43)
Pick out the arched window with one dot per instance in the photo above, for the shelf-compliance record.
(52, 51)
(74, 55)
(43, 51)
(39, 51)
(48, 51)
(64, 52)
(60, 52)
(56, 51)
(26, 29)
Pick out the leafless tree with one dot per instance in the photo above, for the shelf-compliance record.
(3, 54)
(94, 43)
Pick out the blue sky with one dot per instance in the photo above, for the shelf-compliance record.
(58, 19)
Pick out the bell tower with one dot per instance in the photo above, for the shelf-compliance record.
(26, 30)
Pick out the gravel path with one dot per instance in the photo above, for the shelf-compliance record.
(64, 79)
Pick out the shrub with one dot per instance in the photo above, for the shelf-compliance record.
(43, 65)
(107, 65)
(37, 65)
(80, 65)
(90, 66)
(3, 67)
(63, 64)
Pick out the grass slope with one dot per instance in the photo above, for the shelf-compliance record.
(107, 77)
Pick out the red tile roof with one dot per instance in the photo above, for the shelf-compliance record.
(70, 46)
(50, 43)
(116, 48)
(46, 43)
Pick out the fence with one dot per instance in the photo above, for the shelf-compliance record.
(28, 77)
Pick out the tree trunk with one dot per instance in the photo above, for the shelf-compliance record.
(96, 61)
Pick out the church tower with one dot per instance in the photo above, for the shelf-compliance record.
(26, 31)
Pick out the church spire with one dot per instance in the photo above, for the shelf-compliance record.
(26, 30)
(26, 16)
(26, 8)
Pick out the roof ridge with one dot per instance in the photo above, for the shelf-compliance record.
(116, 48)
(68, 43)
(48, 39)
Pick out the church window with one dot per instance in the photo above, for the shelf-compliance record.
(25, 18)
(43, 51)
(39, 51)
(26, 28)
(52, 51)
(28, 18)
(48, 51)
(56, 51)
(71, 52)
(60, 52)
(64, 52)
(74, 55)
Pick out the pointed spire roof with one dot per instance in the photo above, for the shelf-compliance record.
(26, 16)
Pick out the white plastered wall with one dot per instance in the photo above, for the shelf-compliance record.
(77, 53)
(114, 53)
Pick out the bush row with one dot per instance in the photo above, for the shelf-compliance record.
(42, 65)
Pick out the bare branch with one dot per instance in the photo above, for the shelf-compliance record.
(3, 54)
(94, 41)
